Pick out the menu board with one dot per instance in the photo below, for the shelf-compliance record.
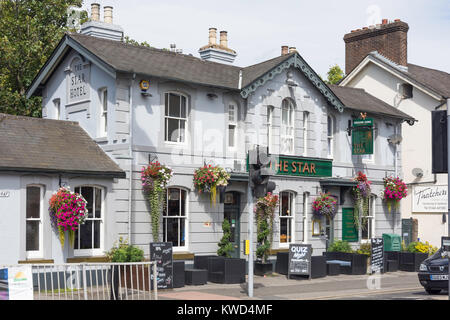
(299, 259)
(349, 231)
(161, 252)
(377, 255)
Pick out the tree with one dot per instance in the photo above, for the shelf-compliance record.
(128, 40)
(334, 75)
(29, 32)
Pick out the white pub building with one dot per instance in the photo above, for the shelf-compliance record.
(207, 110)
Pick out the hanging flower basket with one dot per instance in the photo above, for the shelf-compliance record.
(265, 211)
(68, 211)
(208, 178)
(394, 190)
(361, 196)
(325, 205)
(155, 178)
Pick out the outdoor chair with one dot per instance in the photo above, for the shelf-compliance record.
(226, 270)
(281, 266)
(178, 274)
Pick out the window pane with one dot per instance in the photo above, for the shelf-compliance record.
(231, 113)
(183, 107)
(98, 202)
(182, 130)
(171, 231)
(174, 105)
(172, 130)
(285, 230)
(97, 234)
(173, 203)
(284, 116)
(365, 228)
(183, 203)
(32, 237)
(231, 135)
(86, 235)
(88, 194)
(182, 233)
(166, 104)
(285, 204)
(33, 202)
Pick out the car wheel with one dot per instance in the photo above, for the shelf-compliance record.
(433, 291)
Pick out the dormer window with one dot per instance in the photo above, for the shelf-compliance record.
(406, 90)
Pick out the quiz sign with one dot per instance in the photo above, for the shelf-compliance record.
(430, 199)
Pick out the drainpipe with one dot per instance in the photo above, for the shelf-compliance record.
(130, 152)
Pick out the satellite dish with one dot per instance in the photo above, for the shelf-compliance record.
(417, 172)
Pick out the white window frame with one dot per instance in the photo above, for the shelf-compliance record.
(371, 219)
(330, 136)
(288, 128)
(103, 113)
(305, 132)
(185, 217)
(57, 105)
(270, 111)
(305, 216)
(290, 218)
(370, 158)
(179, 119)
(34, 254)
(232, 122)
(94, 251)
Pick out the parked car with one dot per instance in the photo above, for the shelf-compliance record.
(433, 273)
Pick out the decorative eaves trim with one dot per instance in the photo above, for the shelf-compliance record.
(297, 61)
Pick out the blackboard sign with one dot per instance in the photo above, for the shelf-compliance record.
(299, 259)
(377, 255)
(349, 231)
(161, 252)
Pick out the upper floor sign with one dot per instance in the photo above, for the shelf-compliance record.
(362, 136)
(78, 86)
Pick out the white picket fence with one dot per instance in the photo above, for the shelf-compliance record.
(95, 281)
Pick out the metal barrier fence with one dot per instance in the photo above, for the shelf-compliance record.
(95, 281)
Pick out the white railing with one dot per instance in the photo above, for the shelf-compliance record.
(95, 281)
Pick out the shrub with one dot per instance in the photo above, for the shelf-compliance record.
(365, 248)
(123, 252)
(225, 246)
(417, 246)
(340, 246)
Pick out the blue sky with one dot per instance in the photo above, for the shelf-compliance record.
(258, 28)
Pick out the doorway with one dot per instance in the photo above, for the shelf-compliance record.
(232, 213)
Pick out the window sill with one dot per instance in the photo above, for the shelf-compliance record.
(101, 139)
(36, 261)
(87, 259)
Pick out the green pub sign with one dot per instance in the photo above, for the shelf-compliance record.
(362, 136)
(299, 166)
(349, 230)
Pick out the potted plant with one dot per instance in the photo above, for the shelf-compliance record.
(394, 190)
(223, 268)
(350, 262)
(325, 205)
(209, 179)
(361, 196)
(366, 249)
(68, 211)
(155, 178)
(414, 254)
(122, 252)
(264, 209)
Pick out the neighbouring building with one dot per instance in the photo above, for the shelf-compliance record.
(376, 61)
(37, 157)
(198, 111)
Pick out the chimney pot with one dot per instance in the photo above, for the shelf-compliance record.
(95, 12)
(223, 39)
(365, 28)
(292, 49)
(108, 14)
(284, 50)
(212, 36)
(397, 20)
(384, 21)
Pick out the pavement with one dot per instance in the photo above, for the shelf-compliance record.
(396, 285)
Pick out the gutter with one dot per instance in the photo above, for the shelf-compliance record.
(130, 151)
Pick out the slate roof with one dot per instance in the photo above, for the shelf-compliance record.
(165, 64)
(359, 100)
(436, 80)
(51, 146)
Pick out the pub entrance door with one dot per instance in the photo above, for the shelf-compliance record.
(232, 213)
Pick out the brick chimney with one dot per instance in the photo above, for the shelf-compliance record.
(390, 39)
(217, 52)
(284, 50)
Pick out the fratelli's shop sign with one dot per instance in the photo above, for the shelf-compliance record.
(430, 199)
(299, 166)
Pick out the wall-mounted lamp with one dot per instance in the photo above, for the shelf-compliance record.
(145, 85)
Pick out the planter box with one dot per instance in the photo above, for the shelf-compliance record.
(281, 265)
(351, 263)
(410, 261)
(226, 270)
(261, 269)
(318, 267)
(201, 262)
